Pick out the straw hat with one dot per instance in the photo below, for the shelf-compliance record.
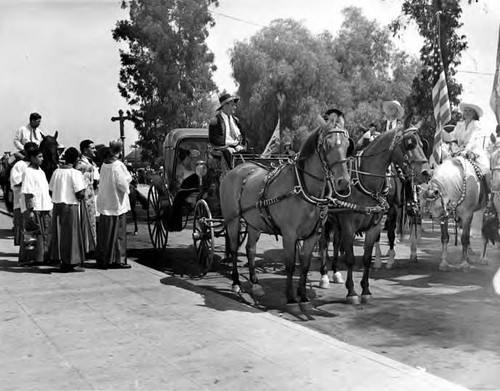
(472, 106)
(396, 104)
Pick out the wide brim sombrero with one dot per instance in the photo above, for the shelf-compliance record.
(472, 106)
(397, 105)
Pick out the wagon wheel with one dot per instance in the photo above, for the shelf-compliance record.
(157, 212)
(203, 235)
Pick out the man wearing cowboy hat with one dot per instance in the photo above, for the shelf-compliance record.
(394, 114)
(224, 131)
(335, 117)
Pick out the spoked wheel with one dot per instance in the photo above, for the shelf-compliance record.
(157, 212)
(203, 236)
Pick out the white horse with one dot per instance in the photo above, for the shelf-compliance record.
(454, 191)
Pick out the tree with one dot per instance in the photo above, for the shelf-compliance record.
(166, 69)
(354, 72)
(423, 13)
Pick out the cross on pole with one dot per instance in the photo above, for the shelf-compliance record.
(122, 118)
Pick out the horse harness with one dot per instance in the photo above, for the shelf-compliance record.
(299, 189)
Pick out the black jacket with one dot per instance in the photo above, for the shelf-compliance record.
(217, 131)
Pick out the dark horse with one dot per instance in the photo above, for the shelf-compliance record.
(289, 200)
(49, 147)
(363, 209)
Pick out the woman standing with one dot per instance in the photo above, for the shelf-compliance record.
(68, 187)
(112, 205)
(36, 208)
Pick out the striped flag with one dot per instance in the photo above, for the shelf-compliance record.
(273, 145)
(441, 103)
(495, 93)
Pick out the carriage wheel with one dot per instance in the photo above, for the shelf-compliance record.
(156, 213)
(203, 235)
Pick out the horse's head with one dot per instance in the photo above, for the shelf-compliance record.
(49, 146)
(334, 146)
(408, 152)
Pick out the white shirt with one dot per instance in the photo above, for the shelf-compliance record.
(390, 125)
(114, 189)
(16, 178)
(65, 182)
(25, 134)
(35, 182)
(232, 131)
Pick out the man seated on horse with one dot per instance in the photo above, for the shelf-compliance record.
(224, 131)
(393, 112)
(30, 132)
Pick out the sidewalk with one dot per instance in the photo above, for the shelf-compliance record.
(141, 329)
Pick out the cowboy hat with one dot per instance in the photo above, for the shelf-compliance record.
(226, 98)
(396, 104)
(333, 111)
(474, 107)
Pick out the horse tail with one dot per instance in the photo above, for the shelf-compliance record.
(489, 230)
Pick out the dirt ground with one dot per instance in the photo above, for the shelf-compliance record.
(445, 323)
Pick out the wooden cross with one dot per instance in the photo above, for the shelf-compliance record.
(122, 118)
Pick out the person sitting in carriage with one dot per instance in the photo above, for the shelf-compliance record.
(224, 131)
(187, 181)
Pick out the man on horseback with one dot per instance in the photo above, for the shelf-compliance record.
(30, 132)
(224, 131)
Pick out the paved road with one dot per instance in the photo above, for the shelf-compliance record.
(140, 329)
(444, 323)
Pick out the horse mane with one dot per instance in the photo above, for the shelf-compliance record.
(448, 176)
(309, 146)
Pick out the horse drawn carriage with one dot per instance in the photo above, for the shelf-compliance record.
(178, 200)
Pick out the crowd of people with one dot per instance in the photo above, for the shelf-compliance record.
(79, 213)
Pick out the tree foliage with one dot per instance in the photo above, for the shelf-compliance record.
(166, 67)
(354, 72)
(424, 14)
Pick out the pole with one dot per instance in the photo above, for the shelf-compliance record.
(122, 118)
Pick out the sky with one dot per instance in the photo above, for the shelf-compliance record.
(57, 57)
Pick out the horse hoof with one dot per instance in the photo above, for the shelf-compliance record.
(352, 299)
(390, 265)
(413, 258)
(366, 299)
(324, 282)
(136, 233)
(445, 267)
(236, 288)
(337, 278)
(306, 306)
(483, 261)
(377, 265)
(293, 308)
(257, 290)
(465, 266)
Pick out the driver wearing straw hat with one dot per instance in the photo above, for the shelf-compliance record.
(224, 131)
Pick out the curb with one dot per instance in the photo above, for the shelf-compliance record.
(6, 213)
